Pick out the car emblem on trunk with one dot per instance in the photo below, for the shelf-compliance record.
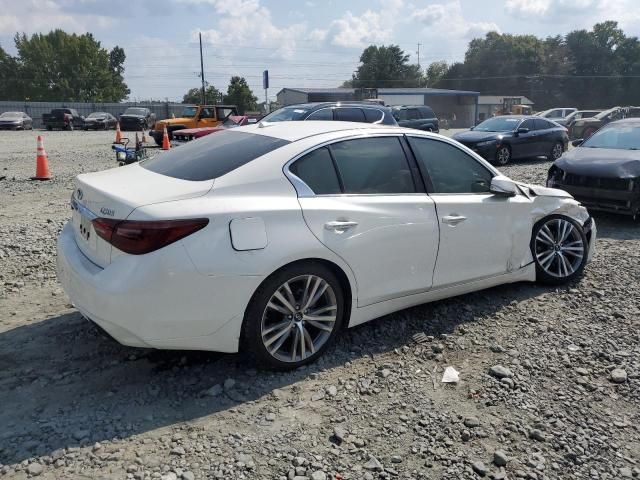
(79, 194)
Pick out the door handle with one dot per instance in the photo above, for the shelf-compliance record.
(453, 220)
(339, 226)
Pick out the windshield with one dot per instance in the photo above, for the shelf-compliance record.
(135, 111)
(97, 115)
(622, 137)
(604, 114)
(498, 124)
(232, 121)
(11, 115)
(286, 114)
(189, 112)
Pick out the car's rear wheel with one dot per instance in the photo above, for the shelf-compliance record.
(560, 248)
(503, 155)
(294, 316)
(556, 151)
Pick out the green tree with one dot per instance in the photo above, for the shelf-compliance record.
(386, 67)
(240, 95)
(58, 66)
(11, 87)
(435, 72)
(194, 95)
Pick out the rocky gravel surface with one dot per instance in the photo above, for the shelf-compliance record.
(549, 377)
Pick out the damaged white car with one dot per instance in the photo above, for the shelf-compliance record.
(273, 237)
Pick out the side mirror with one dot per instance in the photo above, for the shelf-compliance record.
(577, 142)
(503, 186)
(523, 130)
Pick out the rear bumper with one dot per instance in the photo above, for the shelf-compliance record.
(157, 300)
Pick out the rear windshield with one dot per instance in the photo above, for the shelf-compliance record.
(213, 155)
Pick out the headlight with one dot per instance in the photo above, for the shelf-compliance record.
(121, 156)
(486, 143)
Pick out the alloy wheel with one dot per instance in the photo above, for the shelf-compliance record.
(559, 248)
(556, 152)
(299, 318)
(503, 155)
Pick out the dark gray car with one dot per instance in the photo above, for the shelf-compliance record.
(339, 111)
(15, 121)
(420, 117)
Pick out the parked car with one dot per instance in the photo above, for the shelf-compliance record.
(502, 139)
(603, 172)
(135, 119)
(575, 116)
(193, 117)
(420, 117)
(189, 134)
(272, 237)
(365, 112)
(15, 121)
(556, 114)
(585, 127)
(62, 118)
(100, 121)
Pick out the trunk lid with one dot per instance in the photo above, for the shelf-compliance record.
(114, 194)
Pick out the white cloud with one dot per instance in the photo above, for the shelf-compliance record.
(33, 16)
(358, 31)
(252, 25)
(448, 21)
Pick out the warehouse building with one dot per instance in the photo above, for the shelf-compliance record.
(458, 107)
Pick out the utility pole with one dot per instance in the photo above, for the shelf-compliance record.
(204, 98)
(419, 54)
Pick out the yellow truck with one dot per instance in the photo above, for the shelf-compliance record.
(193, 117)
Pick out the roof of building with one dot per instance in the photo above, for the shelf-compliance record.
(384, 91)
(497, 100)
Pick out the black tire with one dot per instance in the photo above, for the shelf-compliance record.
(542, 273)
(556, 151)
(503, 155)
(49, 128)
(256, 314)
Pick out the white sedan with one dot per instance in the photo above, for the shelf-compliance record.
(273, 237)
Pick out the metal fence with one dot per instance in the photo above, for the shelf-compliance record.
(36, 109)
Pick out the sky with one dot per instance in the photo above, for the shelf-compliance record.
(303, 43)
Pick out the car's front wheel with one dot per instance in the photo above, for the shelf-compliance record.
(503, 155)
(294, 316)
(560, 248)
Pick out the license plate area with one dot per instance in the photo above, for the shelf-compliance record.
(83, 227)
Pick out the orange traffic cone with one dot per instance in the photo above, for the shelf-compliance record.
(118, 133)
(166, 145)
(42, 162)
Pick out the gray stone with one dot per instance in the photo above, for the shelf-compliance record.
(626, 472)
(35, 469)
(373, 464)
(339, 434)
(396, 459)
(479, 468)
(499, 371)
(618, 375)
(188, 475)
(229, 383)
(178, 451)
(214, 391)
(318, 475)
(332, 390)
(538, 435)
(500, 458)
(471, 422)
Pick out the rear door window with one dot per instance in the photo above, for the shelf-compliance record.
(372, 115)
(426, 112)
(528, 124)
(213, 155)
(413, 114)
(373, 166)
(224, 112)
(322, 114)
(317, 171)
(346, 114)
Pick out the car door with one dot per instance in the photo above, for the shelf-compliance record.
(524, 144)
(481, 234)
(368, 205)
(546, 136)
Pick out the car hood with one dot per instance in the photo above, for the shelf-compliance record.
(601, 162)
(132, 116)
(473, 136)
(176, 121)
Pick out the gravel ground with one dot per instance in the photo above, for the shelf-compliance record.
(549, 378)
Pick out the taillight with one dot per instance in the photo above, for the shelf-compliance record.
(138, 237)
